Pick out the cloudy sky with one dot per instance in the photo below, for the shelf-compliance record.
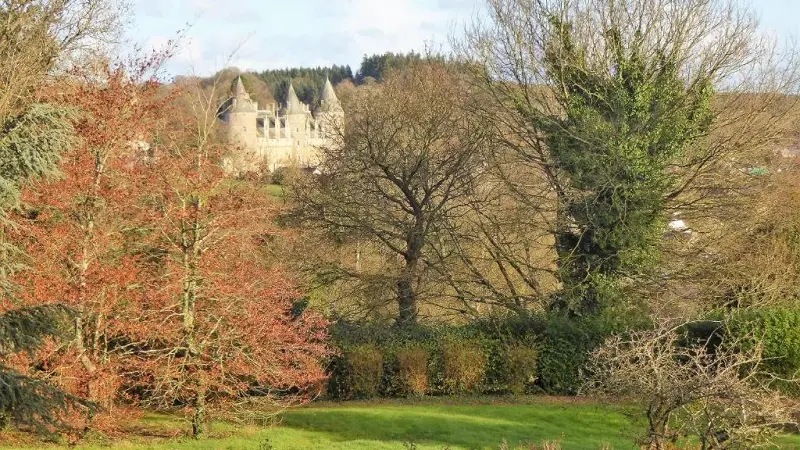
(262, 34)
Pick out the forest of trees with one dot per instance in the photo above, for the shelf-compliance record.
(566, 204)
(375, 67)
(271, 86)
(307, 81)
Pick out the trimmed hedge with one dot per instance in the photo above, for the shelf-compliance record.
(520, 355)
(464, 365)
(566, 345)
(412, 363)
(356, 373)
(521, 370)
(494, 356)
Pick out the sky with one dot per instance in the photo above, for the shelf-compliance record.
(272, 34)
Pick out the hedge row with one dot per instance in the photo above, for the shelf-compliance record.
(513, 355)
(448, 367)
(525, 355)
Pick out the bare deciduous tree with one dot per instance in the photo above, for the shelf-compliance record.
(37, 36)
(713, 389)
(405, 169)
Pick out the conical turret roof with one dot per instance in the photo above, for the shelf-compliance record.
(239, 90)
(328, 94)
(241, 99)
(293, 105)
(328, 99)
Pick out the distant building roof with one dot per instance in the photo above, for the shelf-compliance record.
(293, 105)
(241, 99)
(328, 94)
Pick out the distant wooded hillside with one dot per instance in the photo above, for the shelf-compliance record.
(272, 85)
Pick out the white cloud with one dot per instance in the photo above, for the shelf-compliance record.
(295, 33)
(399, 25)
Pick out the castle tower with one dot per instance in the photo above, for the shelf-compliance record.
(297, 121)
(241, 118)
(329, 114)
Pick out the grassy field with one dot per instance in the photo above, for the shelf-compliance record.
(424, 425)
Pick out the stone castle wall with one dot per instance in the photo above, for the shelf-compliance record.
(273, 138)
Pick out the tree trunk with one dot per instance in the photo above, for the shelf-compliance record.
(406, 297)
(199, 417)
(190, 238)
(406, 301)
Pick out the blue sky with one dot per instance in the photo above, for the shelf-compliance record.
(262, 34)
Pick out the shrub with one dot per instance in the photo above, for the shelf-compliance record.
(413, 370)
(366, 369)
(282, 175)
(338, 386)
(778, 330)
(564, 353)
(520, 368)
(710, 396)
(498, 354)
(464, 365)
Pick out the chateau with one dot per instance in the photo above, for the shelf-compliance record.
(289, 136)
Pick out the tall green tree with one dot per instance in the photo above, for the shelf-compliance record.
(612, 114)
(618, 135)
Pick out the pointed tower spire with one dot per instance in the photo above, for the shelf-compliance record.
(328, 99)
(240, 91)
(328, 94)
(241, 99)
(293, 105)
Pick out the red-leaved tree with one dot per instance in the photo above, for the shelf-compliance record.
(75, 227)
(219, 321)
(162, 256)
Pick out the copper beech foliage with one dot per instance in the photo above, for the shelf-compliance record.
(74, 232)
(224, 315)
(161, 255)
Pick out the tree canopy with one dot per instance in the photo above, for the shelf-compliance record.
(307, 81)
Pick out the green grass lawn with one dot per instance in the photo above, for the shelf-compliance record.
(431, 424)
(274, 190)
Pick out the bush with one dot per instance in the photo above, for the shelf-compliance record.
(779, 332)
(282, 175)
(520, 368)
(564, 353)
(413, 370)
(464, 365)
(708, 395)
(493, 355)
(365, 364)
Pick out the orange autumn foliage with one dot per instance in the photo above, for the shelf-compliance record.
(161, 255)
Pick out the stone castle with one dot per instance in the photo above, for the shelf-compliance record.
(272, 138)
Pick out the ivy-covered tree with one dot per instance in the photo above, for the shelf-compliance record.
(611, 114)
(619, 133)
